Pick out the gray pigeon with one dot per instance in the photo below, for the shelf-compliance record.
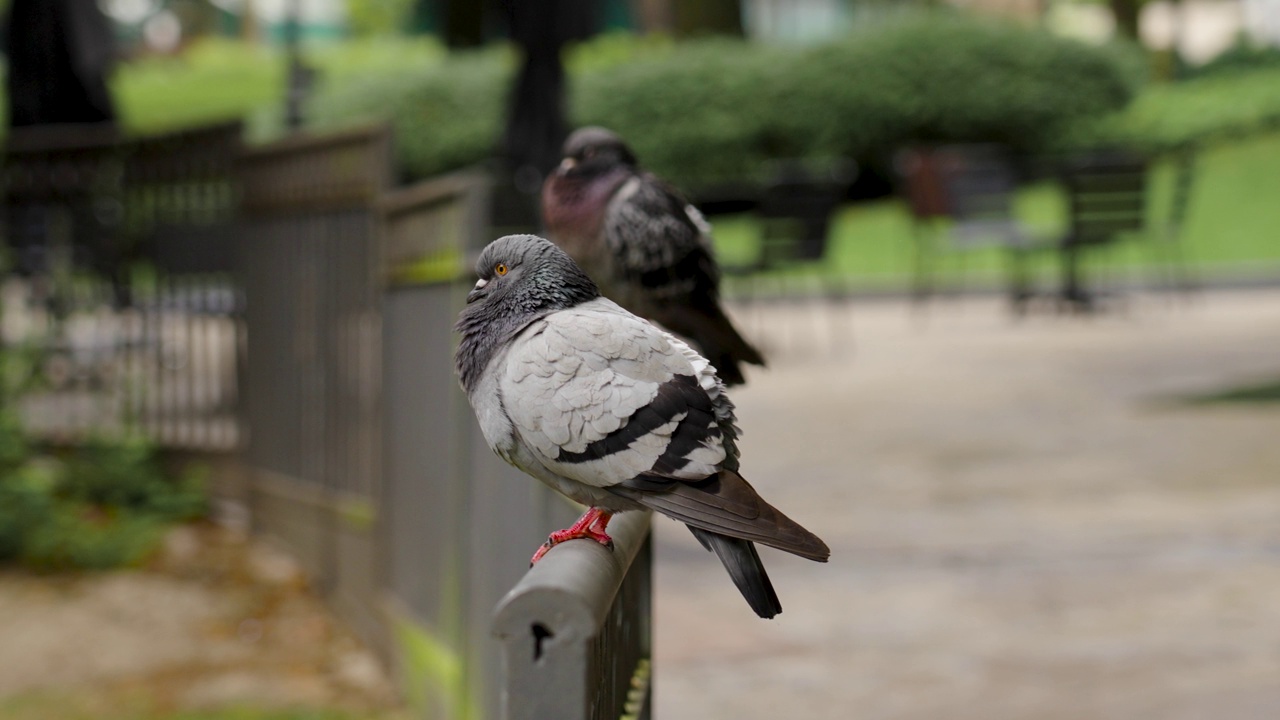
(646, 247)
(611, 411)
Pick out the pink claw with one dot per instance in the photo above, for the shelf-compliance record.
(590, 526)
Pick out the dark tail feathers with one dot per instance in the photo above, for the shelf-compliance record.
(742, 561)
(704, 323)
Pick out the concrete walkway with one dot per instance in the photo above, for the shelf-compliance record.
(1024, 520)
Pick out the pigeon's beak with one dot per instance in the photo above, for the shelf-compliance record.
(567, 164)
(476, 293)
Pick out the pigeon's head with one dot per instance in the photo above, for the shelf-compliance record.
(525, 274)
(592, 150)
(522, 278)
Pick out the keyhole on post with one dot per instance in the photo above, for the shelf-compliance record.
(540, 635)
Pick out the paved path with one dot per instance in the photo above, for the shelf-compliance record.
(1023, 523)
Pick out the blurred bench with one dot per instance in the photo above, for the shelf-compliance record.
(961, 199)
(1109, 200)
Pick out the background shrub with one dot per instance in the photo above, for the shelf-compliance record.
(447, 115)
(125, 474)
(700, 115)
(1207, 109)
(101, 504)
(90, 537)
(26, 504)
(712, 111)
(955, 80)
(1244, 56)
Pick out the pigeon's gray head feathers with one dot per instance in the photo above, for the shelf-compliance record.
(522, 278)
(595, 149)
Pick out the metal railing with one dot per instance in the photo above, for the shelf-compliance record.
(120, 291)
(366, 459)
(286, 301)
(576, 631)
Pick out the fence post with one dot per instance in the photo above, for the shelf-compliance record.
(575, 630)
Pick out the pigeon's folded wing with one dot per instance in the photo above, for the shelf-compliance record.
(725, 504)
(658, 240)
(661, 252)
(601, 396)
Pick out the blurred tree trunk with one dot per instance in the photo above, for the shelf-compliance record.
(536, 122)
(707, 17)
(460, 23)
(249, 23)
(653, 15)
(60, 53)
(1126, 15)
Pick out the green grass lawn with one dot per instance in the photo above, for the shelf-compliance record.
(1232, 227)
(219, 79)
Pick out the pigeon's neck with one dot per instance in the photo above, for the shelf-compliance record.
(487, 329)
(574, 205)
(482, 339)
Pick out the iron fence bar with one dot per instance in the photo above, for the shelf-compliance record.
(575, 631)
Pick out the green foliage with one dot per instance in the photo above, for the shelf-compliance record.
(1208, 109)
(1244, 56)
(714, 110)
(378, 17)
(699, 112)
(616, 48)
(99, 505)
(216, 79)
(959, 80)
(212, 80)
(13, 446)
(447, 115)
(702, 114)
(89, 537)
(711, 111)
(26, 504)
(125, 473)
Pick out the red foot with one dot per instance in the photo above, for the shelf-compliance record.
(590, 526)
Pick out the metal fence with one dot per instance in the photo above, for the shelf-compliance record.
(364, 456)
(575, 631)
(286, 301)
(120, 295)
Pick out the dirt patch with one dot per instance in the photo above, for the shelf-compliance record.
(214, 621)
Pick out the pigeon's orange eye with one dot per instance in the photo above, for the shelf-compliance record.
(500, 268)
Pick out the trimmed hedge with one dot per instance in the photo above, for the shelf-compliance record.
(704, 114)
(711, 111)
(1239, 58)
(1211, 109)
(447, 115)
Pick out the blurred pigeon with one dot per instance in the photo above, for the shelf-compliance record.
(611, 411)
(646, 247)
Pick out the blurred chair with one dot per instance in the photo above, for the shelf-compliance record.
(961, 198)
(1109, 192)
(1167, 243)
(796, 205)
(796, 208)
(1107, 198)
